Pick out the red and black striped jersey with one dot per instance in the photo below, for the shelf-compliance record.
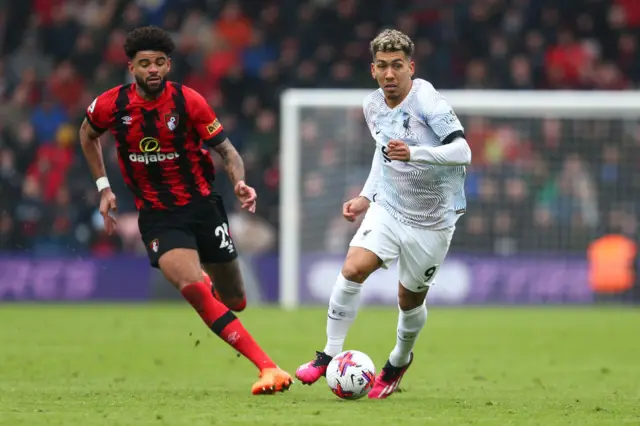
(160, 142)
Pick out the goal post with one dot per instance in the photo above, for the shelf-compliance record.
(290, 183)
(337, 114)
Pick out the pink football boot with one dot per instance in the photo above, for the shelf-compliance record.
(311, 372)
(388, 380)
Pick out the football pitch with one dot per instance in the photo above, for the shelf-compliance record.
(158, 365)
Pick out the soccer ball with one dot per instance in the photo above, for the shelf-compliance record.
(351, 374)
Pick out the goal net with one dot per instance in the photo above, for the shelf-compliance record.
(552, 173)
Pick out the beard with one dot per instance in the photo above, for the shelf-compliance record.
(150, 91)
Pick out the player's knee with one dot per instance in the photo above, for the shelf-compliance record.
(359, 264)
(354, 272)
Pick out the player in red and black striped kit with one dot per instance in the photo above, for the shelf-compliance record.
(162, 130)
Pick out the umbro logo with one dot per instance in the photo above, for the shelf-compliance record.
(233, 338)
(126, 120)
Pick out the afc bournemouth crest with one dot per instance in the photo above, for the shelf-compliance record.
(171, 120)
(154, 245)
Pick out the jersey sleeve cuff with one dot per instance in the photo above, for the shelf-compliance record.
(216, 140)
(368, 196)
(452, 137)
(93, 125)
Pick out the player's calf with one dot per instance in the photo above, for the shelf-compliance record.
(209, 283)
(410, 324)
(408, 300)
(229, 284)
(411, 320)
(345, 296)
(182, 268)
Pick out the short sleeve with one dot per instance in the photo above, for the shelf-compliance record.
(439, 115)
(100, 113)
(204, 119)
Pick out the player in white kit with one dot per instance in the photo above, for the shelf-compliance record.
(412, 198)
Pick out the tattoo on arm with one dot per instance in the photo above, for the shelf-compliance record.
(232, 161)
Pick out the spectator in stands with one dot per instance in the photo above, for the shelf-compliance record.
(531, 184)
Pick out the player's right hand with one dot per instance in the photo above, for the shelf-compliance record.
(355, 207)
(107, 205)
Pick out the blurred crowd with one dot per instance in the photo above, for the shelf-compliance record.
(534, 184)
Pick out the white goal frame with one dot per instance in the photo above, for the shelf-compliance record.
(557, 104)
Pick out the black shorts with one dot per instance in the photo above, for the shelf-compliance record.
(201, 225)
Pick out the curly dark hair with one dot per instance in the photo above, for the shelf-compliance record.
(148, 38)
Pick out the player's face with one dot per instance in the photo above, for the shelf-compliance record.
(393, 72)
(149, 69)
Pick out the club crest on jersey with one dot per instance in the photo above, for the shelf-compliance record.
(406, 124)
(154, 246)
(171, 120)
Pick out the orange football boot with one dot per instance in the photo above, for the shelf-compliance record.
(272, 380)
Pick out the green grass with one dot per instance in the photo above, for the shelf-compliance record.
(158, 365)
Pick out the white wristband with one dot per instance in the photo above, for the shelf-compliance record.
(102, 183)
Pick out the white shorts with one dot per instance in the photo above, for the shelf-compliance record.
(420, 252)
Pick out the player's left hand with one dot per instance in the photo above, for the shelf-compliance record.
(398, 150)
(247, 196)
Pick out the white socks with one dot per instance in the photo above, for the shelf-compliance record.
(343, 307)
(409, 325)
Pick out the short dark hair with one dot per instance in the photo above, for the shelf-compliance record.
(148, 38)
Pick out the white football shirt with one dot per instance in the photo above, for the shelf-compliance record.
(417, 194)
